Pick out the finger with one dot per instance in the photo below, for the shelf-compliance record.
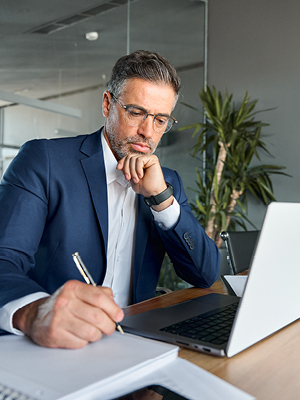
(140, 167)
(120, 164)
(132, 164)
(98, 297)
(82, 333)
(108, 291)
(91, 322)
(123, 165)
(58, 339)
(129, 167)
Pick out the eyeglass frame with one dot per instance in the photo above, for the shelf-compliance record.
(146, 114)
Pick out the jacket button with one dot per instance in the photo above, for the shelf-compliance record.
(188, 240)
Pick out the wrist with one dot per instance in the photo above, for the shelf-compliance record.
(165, 204)
(24, 317)
(162, 197)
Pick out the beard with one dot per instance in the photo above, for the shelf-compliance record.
(122, 147)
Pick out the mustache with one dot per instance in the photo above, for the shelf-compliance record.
(150, 143)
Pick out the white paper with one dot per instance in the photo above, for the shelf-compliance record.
(237, 282)
(180, 376)
(110, 368)
(58, 372)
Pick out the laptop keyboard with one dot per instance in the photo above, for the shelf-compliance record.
(213, 327)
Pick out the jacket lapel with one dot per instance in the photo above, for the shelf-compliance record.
(94, 169)
(143, 223)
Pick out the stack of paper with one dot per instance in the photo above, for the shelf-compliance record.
(104, 370)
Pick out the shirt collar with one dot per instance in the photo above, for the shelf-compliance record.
(112, 174)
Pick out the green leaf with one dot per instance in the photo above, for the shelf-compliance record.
(187, 105)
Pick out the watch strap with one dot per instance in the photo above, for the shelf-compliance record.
(159, 198)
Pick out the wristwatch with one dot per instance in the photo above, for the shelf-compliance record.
(159, 198)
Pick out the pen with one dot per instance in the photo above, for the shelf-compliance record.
(88, 278)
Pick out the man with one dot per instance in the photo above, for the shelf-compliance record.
(106, 196)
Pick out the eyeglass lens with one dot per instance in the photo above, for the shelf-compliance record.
(135, 116)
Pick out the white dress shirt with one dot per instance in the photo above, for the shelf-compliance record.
(122, 210)
(122, 206)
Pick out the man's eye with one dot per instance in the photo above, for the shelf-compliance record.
(135, 112)
(162, 120)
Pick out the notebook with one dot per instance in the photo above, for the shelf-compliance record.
(269, 302)
(108, 369)
(32, 372)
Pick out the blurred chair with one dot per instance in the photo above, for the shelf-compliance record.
(162, 290)
(240, 248)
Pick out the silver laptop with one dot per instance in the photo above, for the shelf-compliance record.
(271, 299)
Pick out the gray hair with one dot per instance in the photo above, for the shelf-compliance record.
(144, 65)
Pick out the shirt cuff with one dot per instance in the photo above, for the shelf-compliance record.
(167, 218)
(7, 311)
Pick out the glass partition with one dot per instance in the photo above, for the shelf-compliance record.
(46, 56)
(176, 29)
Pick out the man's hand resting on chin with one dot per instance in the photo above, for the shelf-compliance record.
(146, 176)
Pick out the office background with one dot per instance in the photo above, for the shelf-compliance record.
(45, 55)
(252, 45)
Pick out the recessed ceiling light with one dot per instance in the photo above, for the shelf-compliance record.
(91, 35)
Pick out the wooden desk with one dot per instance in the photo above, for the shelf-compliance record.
(269, 369)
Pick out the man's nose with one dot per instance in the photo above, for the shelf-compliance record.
(146, 128)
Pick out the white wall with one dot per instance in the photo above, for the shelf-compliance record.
(254, 45)
(23, 123)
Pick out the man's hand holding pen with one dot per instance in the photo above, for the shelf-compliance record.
(70, 318)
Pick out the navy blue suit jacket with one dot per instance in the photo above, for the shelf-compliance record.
(53, 202)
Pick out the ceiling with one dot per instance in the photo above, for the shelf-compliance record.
(46, 65)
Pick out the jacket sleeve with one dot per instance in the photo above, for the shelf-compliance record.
(194, 255)
(23, 210)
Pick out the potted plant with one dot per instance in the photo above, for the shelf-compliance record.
(228, 140)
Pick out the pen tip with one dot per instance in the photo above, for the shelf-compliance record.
(120, 328)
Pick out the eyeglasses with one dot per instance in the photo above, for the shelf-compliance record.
(135, 116)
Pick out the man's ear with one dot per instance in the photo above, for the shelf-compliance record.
(106, 103)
